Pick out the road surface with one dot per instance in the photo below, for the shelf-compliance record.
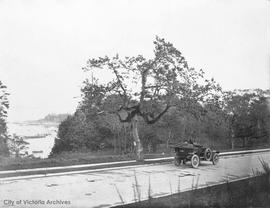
(126, 184)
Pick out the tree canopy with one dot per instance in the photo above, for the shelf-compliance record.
(4, 105)
(148, 88)
(248, 113)
(143, 84)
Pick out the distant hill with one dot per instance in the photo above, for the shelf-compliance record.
(54, 118)
(51, 119)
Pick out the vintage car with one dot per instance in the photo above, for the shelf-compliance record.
(194, 152)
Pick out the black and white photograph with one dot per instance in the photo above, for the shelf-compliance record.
(134, 103)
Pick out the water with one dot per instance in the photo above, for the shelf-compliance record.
(39, 136)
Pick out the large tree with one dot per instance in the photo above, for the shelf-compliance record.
(4, 105)
(148, 88)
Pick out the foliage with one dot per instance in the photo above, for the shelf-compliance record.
(248, 114)
(213, 128)
(146, 85)
(17, 145)
(4, 105)
(75, 133)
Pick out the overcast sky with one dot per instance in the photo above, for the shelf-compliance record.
(44, 44)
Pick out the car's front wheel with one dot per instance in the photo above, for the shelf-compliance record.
(195, 161)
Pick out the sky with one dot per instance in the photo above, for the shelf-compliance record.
(45, 43)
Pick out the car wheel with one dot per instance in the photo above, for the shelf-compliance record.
(207, 154)
(195, 161)
(215, 159)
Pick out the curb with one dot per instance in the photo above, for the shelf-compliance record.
(243, 152)
(51, 171)
(74, 169)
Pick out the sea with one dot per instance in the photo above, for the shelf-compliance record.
(39, 136)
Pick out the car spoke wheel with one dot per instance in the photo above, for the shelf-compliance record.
(195, 161)
(215, 159)
(207, 154)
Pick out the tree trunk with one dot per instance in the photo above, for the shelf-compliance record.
(114, 143)
(232, 142)
(169, 139)
(125, 136)
(183, 123)
(114, 140)
(136, 138)
(119, 143)
(232, 138)
(149, 148)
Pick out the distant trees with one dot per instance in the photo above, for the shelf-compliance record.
(248, 114)
(56, 118)
(4, 105)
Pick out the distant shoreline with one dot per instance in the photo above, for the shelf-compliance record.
(49, 120)
(36, 136)
(36, 123)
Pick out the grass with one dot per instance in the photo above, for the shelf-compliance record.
(265, 167)
(150, 190)
(119, 194)
(68, 158)
(136, 189)
(241, 194)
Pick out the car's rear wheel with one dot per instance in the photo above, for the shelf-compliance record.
(207, 154)
(215, 159)
(195, 161)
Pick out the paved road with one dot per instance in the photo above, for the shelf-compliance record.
(110, 187)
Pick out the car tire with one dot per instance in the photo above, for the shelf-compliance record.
(208, 154)
(195, 161)
(215, 159)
